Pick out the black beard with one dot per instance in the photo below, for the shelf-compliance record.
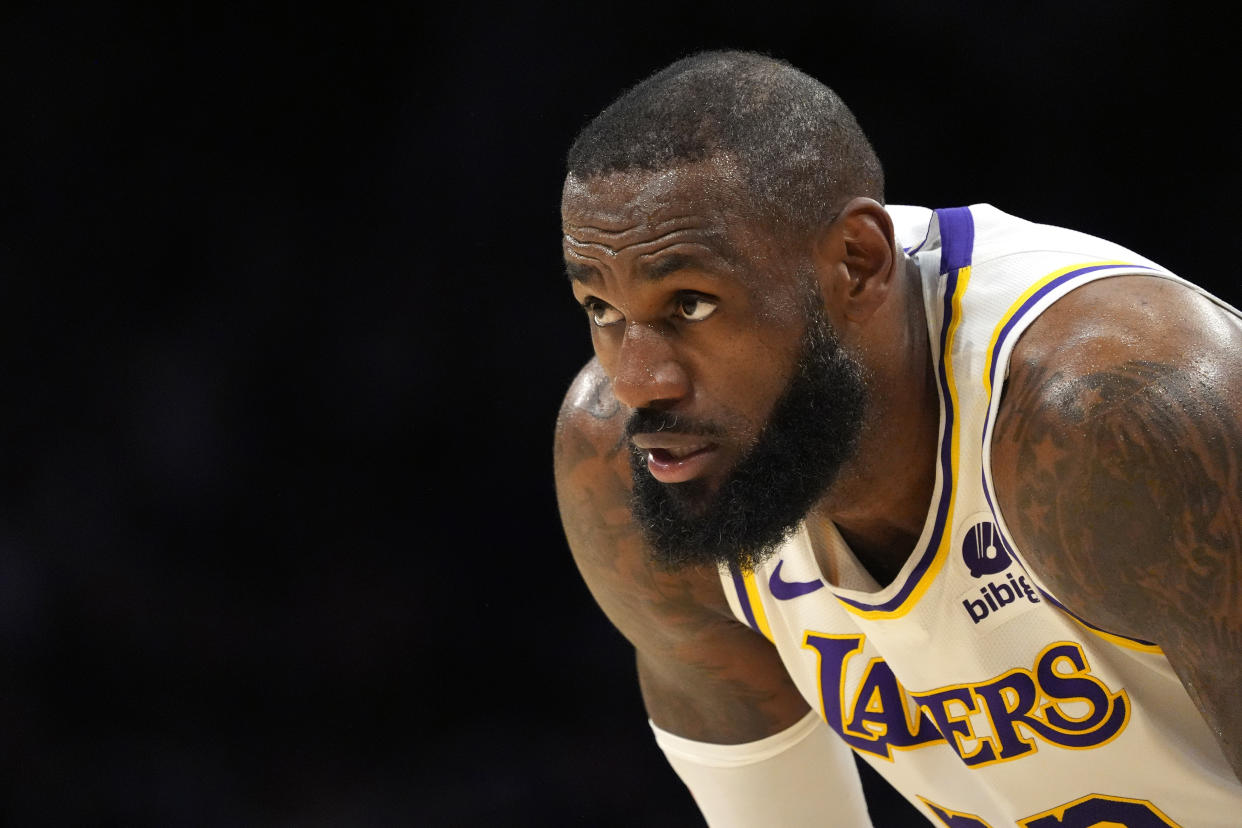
(812, 431)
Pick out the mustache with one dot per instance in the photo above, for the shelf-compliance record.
(650, 421)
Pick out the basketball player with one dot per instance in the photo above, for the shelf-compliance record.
(954, 491)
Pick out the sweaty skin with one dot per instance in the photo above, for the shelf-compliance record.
(1118, 452)
(704, 675)
(1117, 457)
(636, 249)
(657, 284)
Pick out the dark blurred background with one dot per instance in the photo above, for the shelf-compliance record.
(284, 331)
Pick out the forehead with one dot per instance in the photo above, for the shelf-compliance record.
(652, 223)
(634, 198)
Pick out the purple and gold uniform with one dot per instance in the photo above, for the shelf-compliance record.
(964, 682)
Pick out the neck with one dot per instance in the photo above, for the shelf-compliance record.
(881, 498)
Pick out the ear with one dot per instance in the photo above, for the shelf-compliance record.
(855, 259)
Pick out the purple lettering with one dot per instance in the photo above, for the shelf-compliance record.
(1109, 711)
(888, 721)
(988, 598)
(833, 652)
(1010, 699)
(970, 608)
(954, 819)
(1030, 593)
(1004, 593)
(1097, 809)
(955, 726)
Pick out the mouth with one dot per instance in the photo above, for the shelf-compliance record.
(673, 460)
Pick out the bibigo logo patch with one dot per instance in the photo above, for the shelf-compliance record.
(984, 550)
(985, 553)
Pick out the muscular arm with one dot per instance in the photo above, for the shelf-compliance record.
(1118, 467)
(703, 675)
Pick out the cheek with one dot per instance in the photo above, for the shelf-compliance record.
(749, 373)
(771, 344)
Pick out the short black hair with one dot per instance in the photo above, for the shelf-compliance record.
(800, 148)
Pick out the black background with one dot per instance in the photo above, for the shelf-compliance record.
(284, 330)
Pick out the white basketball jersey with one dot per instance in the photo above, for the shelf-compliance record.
(964, 682)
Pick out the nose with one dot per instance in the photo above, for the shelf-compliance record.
(648, 372)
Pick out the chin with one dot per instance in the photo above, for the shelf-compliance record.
(741, 516)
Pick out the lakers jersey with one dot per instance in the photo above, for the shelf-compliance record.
(964, 682)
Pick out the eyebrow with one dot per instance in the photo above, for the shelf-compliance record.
(664, 266)
(579, 272)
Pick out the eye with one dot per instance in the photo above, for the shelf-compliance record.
(695, 308)
(602, 314)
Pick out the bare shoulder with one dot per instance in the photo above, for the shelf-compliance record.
(1119, 435)
(704, 675)
(1124, 319)
(1118, 467)
(591, 422)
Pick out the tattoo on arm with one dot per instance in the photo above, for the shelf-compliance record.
(703, 674)
(1129, 502)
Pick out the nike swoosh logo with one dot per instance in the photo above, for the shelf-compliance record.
(784, 590)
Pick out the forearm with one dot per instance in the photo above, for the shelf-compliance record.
(802, 776)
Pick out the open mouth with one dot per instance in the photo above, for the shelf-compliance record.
(669, 454)
(677, 464)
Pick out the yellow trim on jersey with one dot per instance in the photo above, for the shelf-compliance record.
(756, 605)
(1113, 638)
(948, 478)
(949, 812)
(1058, 813)
(1021, 300)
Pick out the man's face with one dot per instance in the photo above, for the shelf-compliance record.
(744, 405)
